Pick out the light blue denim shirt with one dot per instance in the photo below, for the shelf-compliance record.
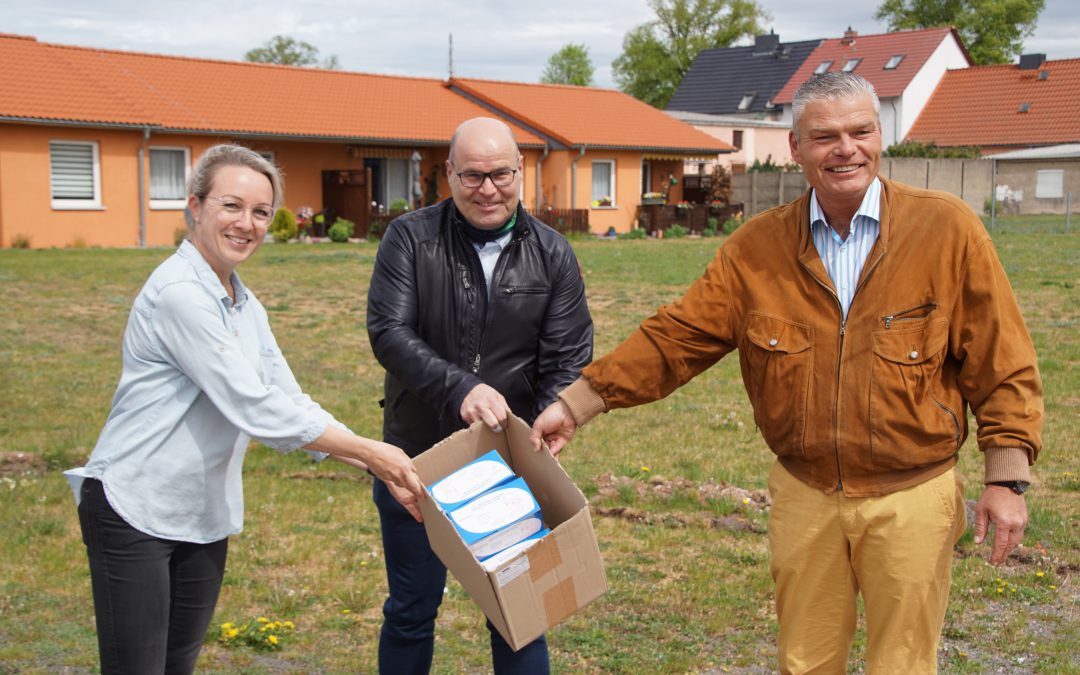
(489, 253)
(844, 258)
(201, 376)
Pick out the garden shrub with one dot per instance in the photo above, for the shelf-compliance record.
(283, 227)
(636, 233)
(341, 230)
(730, 225)
(676, 231)
(399, 204)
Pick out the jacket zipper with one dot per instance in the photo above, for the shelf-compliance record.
(495, 275)
(951, 414)
(898, 315)
(470, 294)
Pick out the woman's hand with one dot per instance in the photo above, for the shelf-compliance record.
(393, 467)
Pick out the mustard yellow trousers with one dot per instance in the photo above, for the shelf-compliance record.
(896, 550)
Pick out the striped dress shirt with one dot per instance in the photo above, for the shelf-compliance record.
(844, 258)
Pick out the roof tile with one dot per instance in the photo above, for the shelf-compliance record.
(875, 51)
(981, 106)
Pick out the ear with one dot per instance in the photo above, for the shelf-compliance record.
(793, 143)
(194, 206)
(449, 170)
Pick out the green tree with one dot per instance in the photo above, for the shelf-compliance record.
(992, 30)
(657, 55)
(569, 65)
(286, 51)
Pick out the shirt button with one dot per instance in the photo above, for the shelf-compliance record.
(773, 342)
(914, 354)
(221, 348)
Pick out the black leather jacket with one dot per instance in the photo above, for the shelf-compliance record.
(438, 336)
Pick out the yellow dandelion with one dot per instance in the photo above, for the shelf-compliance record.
(363, 563)
(272, 639)
(263, 628)
(1053, 587)
(226, 626)
(1000, 589)
(745, 501)
(289, 625)
(263, 619)
(233, 633)
(1040, 573)
(345, 611)
(963, 655)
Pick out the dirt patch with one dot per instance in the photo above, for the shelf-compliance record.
(21, 464)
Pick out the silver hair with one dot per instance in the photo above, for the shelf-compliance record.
(831, 87)
(217, 156)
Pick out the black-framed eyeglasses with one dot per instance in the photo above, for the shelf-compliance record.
(260, 213)
(499, 177)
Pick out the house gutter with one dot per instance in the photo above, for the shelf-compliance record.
(142, 187)
(895, 122)
(539, 175)
(573, 177)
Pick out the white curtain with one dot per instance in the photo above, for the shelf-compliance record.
(601, 180)
(166, 174)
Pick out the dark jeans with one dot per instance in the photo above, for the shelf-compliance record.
(153, 598)
(416, 578)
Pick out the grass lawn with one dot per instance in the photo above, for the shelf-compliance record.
(677, 486)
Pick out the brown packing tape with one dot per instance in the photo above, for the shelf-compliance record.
(560, 601)
(544, 557)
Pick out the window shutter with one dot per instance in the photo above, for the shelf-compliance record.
(71, 170)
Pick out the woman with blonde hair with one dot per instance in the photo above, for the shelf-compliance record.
(202, 375)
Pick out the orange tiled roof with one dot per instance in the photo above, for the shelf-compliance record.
(875, 51)
(591, 116)
(981, 106)
(47, 82)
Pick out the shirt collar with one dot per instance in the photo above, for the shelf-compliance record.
(869, 208)
(209, 277)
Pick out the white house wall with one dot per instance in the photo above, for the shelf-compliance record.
(947, 56)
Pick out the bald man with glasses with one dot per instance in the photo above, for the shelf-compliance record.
(476, 310)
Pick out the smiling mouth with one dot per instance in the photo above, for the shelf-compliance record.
(242, 241)
(847, 168)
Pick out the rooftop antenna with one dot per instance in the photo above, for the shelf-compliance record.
(451, 65)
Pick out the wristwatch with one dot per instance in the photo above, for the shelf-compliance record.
(1017, 486)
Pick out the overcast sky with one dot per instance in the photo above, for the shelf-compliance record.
(503, 40)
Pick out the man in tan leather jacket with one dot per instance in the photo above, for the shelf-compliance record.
(868, 316)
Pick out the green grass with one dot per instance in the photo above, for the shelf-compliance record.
(688, 567)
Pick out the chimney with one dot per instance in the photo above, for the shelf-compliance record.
(849, 37)
(766, 44)
(1031, 61)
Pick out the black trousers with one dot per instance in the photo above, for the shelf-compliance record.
(153, 598)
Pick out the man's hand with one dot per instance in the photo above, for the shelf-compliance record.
(1007, 512)
(484, 403)
(555, 426)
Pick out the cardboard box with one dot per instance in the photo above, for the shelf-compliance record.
(471, 480)
(498, 519)
(499, 560)
(543, 585)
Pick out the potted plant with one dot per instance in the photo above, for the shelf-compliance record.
(652, 198)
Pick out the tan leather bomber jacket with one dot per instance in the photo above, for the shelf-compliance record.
(877, 402)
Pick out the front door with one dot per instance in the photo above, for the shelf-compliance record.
(347, 193)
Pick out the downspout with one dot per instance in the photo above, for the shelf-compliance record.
(895, 122)
(573, 178)
(539, 182)
(142, 187)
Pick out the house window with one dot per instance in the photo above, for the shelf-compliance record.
(1024, 107)
(736, 138)
(894, 61)
(823, 67)
(1050, 184)
(603, 182)
(268, 155)
(646, 176)
(747, 99)
(851, 65)
(168, 177)
(75, 175)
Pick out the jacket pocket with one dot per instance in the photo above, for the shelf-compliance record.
(777, 364)
(912, 422)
